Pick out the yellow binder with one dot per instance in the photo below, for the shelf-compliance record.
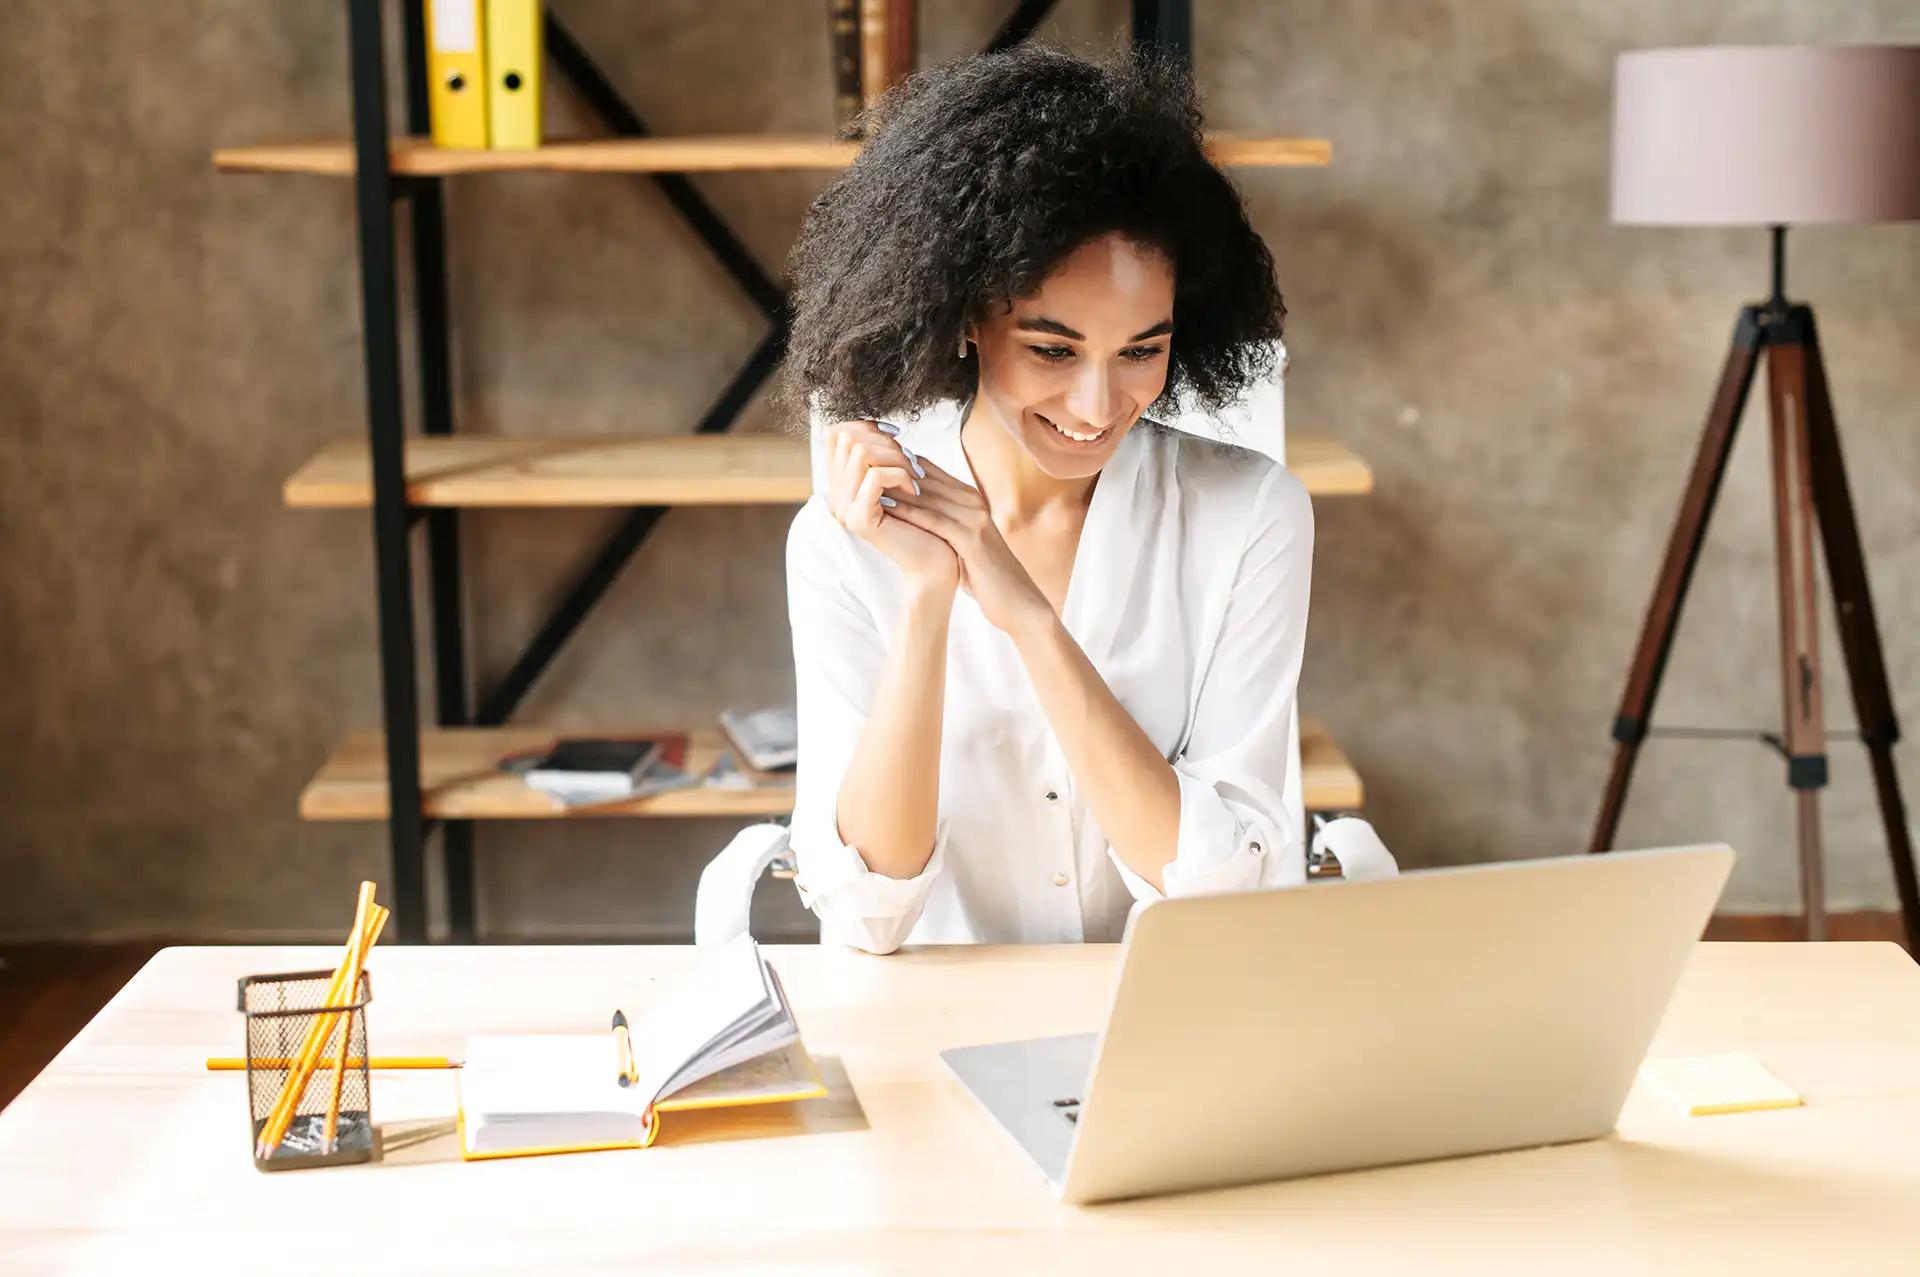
(457, 71)
(513, 73)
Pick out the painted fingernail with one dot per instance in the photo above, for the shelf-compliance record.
(914, 462)
(888, 428)
(888, 502)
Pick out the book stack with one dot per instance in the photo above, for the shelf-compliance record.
(589, 771)
(765, 747)
(873, 49)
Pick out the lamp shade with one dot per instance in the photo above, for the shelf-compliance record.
(1766, 136)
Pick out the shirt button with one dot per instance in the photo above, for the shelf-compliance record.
(1060, 880)
(1255, 848)
(1053, 796)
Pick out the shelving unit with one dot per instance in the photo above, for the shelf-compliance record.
(580, 470)
(417, 157)
(613, 470)
(460, 779)
(447, 775)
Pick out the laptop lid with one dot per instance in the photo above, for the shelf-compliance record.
(1263, 1035)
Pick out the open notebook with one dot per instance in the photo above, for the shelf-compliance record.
(721, 1036)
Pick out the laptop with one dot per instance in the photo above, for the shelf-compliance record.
(1271, 1034)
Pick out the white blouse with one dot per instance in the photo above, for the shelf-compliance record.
(1188, 594)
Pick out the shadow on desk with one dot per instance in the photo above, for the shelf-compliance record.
(1551, 1190)
(433, 1140)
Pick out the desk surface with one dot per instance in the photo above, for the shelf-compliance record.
(125, 1153)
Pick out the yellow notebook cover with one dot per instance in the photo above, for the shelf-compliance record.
(1703, 1085)
(513, 74)
(457, 73)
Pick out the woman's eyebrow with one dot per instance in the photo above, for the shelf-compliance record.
(1058, 329)
(1054, 326)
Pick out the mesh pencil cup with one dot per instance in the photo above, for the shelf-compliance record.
(281, 1010)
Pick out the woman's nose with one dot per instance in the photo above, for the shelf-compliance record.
(1092, 397)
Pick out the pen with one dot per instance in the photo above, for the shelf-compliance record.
(623, 1048)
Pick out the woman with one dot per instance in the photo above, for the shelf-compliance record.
(1046, 649)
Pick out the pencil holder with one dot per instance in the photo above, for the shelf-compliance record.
(282, 1012)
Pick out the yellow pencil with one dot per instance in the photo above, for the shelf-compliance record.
(330, 1132)
(339, 993)
(235, 1064)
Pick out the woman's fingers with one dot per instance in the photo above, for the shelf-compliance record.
(882, 438)
(927, 518)
(934, 472)
(935, 482)
(865, 461)
(859, 448)
(886, 456)
(912, 460)
(889, 462)
(879, 442)
(869, 504)
(845, 436)
(895, 479)
(857, 428)
(843, 471)
(859, 459)
(962, 505)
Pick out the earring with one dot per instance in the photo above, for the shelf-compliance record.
(963, 346)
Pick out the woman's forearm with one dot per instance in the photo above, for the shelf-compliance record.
(889, 800)
(1129, 787)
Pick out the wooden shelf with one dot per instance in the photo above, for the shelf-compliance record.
(417, 157)
(1328, 467)
(461, 780)
(1327, 778)
(617, 470)
(595, 470)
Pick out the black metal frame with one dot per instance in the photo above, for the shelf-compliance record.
(377, 190)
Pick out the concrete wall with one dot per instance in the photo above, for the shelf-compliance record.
(1526, 380)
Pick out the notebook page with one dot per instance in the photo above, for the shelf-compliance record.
(506, 1077)
(772, 1029)
(783, 1074)
(723, 992)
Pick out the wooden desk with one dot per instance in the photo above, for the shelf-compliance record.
(125, 1156)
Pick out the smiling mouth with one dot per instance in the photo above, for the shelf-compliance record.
(1074, 435)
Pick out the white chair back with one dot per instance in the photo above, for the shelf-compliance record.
(723, 902)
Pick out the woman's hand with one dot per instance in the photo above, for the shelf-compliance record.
(957, 514)
(867, 471)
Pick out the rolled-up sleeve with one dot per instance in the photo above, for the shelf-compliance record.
(838, 651)
(1237, 828)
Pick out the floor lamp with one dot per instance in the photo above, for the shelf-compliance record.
(1775, 137)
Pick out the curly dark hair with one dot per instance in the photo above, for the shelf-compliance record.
(977, 179)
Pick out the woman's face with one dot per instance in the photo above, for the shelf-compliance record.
(1071, 368)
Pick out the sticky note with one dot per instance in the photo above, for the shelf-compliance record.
(1706, 1084)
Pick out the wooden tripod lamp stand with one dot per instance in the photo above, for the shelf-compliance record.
(1775, 137)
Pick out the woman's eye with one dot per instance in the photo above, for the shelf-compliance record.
(1141, 354)
(1052, 354)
